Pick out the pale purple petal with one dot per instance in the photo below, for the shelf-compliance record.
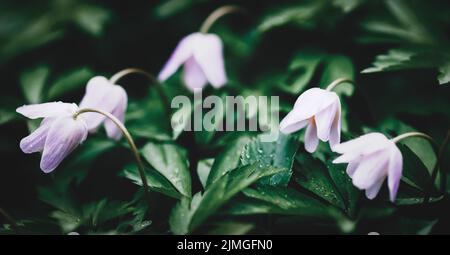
(311, 139)
(290, 124)
(101, 95)
(371, 168)
(364, 144)
(119, 112)
(36, 140)
(324, 120)
(208, 54)
(394, 171)
(351, 168)
(64, 136)
(312, 101)
(45, 110)
(372, 191)
(335, 133)
(183, 51)
(193, 76)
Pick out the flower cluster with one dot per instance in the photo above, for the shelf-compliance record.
(61, 130)
(371, 158)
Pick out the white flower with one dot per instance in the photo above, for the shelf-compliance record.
(201, 55)
(57, 136)
(371, 158)
(101, 94)
(320, 111)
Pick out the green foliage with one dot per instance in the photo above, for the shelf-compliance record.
(214, 182)
(188, 214)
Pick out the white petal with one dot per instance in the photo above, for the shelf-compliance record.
(324, 121)
(351, 168)
(183, 51)
(101, 95)
(63, 137)
(311, 139)
(371, 168)
(208, 54)
(394, 171)
(364, 144)
(45, 110)
(193, 76)
(372, 191)
(335, 133)
(290, 124)
(36, 140)
(312, 101)
(119, 112)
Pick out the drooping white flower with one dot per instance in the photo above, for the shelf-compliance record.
(202, 57)
(320, 111)
(371, 158)
(57, 136)
(101, 94)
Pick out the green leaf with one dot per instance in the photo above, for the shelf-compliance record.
(7, 115)
(347, 5)
(288, 201)
(314, 176)
(91, 19)
(301, 71)
(338, 66)
(228, 159)
(70, 81)
(189, 214)
(171, 161)
(232, 228)
(414, 171)
(444, 73)
(343, 183)
(279, 153)
(203, 170)
(301, 15)
(155, 180)
(32, 82)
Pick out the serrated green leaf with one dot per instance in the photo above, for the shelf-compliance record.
(288, 201)
(171, 161)
(228, 159)
(314, 176)
(279, 153)
(189, 214)
(155, 180)
(203, 170)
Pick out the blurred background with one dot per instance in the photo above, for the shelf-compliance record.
(396, 51)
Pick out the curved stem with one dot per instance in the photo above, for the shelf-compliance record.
(130, 141)
(340, 81)
(9, 219)
(435, 146)
(215, 15)
(164, 99)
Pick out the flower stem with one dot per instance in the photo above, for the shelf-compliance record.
(10, 219)
(435, 146)
(339, 81)
(130, 141)
(215, 15)
(164, 99)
